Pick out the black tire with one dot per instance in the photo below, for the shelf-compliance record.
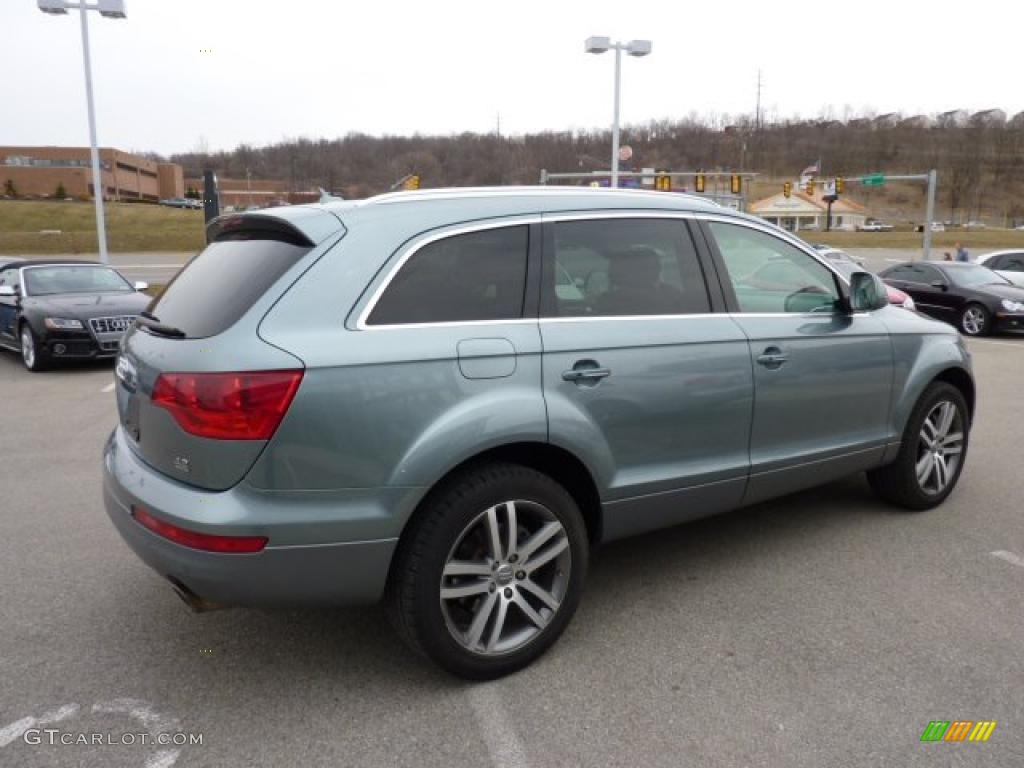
(898, 482)
(40, 360)
(971, 327)
(413, 596)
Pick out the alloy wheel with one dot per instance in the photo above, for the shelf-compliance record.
(28, 348)
(940, 447)
(505, 578)
(973, 321)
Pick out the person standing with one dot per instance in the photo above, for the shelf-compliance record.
(961, 253)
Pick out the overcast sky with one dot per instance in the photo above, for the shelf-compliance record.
(323, 68)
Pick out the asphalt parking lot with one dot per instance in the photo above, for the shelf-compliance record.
(823, 629)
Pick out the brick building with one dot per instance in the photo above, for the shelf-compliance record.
(38, 171)
(261, 193)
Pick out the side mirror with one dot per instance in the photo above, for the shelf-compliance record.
(7, 290)
(867, 292)
(141, 286)
(940, 285)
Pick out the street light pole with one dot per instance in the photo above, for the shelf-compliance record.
(633, 48)
(615, 117)
(97, 178)
(112, 9)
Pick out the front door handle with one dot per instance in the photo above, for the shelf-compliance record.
(772, 358)
(586, 371)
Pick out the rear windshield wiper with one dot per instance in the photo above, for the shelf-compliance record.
(151, 322)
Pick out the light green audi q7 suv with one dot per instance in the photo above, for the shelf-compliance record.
(446, 399)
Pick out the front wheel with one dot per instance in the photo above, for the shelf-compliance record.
(33, 355)
(974, 320)
(490, 572)
(932, 451)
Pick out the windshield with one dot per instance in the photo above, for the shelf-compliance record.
(975, 275)
(50, 280)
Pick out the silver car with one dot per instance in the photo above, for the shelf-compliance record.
(446, 399)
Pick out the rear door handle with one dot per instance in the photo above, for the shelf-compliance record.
(586, 371)
(772, 358)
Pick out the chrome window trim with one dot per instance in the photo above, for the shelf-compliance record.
(528, 219)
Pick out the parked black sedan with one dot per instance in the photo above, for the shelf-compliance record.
(62, 310)
(972, 297)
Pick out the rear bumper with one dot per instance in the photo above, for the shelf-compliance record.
(293, 573)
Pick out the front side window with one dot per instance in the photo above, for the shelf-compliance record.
(47, 281)
(463, 278)
(622, 267)
(770, 275)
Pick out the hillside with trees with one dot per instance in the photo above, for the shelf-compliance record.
(980, 158)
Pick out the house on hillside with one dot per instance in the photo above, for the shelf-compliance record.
(802, 212)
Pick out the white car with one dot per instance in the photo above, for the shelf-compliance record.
(836, 254)
(1008, 264)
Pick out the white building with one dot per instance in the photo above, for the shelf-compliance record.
(807, 212)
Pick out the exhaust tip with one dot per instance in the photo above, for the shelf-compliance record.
(196, 603)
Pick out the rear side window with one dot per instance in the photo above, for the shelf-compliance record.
(216, 288)
(620, 267)
(464, 278)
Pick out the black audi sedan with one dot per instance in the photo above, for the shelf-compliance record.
(972, 297)
(65, 310)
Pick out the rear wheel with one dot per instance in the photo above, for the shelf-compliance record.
(974, 320)
(491, 571)
(33, 355)
(932, 451)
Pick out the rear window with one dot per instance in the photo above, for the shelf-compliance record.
(216, 288)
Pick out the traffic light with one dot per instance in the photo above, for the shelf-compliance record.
(735, 184)
(840, 185)
(663, 182)
(698, 182)
(810, 186)
(787, 188)
(413, 182)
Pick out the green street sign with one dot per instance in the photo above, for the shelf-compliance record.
(874, 180)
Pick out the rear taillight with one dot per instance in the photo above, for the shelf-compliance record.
(205, 541)
(227, 406)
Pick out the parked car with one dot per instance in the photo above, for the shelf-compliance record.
(972, 297)
(895, 295)
(446, 398)
(180, 202)
(1008, 264)
(873, 225)
(937, 226)
(837, 255)
(62, 310)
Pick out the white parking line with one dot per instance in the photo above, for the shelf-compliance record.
(108, 388)
(1009, 557)
(503, 745)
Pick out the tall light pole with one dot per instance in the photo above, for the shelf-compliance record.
(633, 48)
(112, 9)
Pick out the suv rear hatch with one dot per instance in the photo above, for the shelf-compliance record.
(199, 393)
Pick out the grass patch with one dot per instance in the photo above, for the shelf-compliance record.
(130, 227)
